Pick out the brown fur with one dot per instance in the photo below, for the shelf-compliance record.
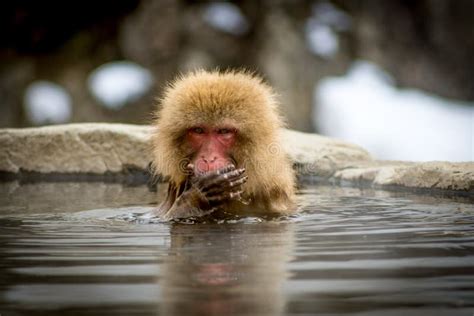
(243, 100)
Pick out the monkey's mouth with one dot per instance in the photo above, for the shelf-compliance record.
(201, 167)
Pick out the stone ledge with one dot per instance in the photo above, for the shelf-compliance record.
(94, 148)
(105, 149)
(434, 175)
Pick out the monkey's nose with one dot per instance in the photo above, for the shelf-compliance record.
(205, 159)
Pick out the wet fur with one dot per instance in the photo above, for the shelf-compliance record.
(238, 98)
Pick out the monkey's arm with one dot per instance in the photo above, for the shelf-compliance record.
(203, 195)
(276, 202)
(281, 204)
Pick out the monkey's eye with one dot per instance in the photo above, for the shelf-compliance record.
(224, 131)
(197, 130)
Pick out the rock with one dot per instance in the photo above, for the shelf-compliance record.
(75, 148)
(318, 155)
(427, 175)
(100, 149)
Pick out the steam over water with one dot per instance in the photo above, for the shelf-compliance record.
(80, 249)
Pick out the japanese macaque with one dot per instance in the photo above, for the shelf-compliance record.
(217, 141)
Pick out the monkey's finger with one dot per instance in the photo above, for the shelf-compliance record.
(226, 196)
(226, 169)
(224, 182)
(207, 176)
(218, 176)
(220, 171)
(239, 181)
(223, 179)
(230, 185)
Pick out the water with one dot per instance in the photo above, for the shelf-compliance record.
(70, 249)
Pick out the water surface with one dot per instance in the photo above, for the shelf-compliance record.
(70, 248)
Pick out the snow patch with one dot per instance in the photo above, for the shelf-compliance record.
(46, 102)
(364, 107)
(321, 39)
(117, 83)
(226, 17)
(326, 13)
(321, 27)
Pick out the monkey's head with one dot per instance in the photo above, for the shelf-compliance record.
(212, 119)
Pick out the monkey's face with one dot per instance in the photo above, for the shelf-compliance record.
(211, 146)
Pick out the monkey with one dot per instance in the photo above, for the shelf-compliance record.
(216, 138)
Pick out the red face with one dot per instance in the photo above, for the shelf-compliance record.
(212, 146)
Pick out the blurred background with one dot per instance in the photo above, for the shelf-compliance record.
(396, 77)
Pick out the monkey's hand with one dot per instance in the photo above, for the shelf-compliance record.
(207, 192)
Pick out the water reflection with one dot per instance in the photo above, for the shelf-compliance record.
(350, 251)
(226, 269)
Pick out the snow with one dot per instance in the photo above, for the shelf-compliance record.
(321, 27)
(46, 102)
(326, 13)
(226, 17)
(118, 83)
(321, 39)
(364, 107)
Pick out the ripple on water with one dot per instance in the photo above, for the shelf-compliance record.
(349, 251)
